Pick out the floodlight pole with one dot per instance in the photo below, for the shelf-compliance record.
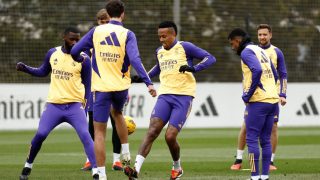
(176, 15)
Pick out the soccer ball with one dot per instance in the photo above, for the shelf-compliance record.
(131, 125)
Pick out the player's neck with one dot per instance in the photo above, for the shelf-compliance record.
(116, 19)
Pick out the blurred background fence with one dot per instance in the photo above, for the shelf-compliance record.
(29, 28)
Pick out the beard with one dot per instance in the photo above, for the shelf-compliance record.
(68, 47)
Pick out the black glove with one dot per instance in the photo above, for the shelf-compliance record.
(21, 67)
(136, 79)
(187, 68)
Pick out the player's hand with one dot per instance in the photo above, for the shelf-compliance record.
(136, 79)
(21, 67)
(185, 68)
(283, 101)
(152, 91)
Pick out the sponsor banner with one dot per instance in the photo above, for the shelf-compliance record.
(215, 105)
(21, 105)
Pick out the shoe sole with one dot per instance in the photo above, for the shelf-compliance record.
(178, 177)
(23, 177)
(129, 172)
(117, 168)
(86, 169)
(235, 169)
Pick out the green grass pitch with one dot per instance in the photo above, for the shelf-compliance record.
(206, 154)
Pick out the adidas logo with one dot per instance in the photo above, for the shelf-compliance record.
(204, 108)
(307, 106)
(111, 40)
(55, 61)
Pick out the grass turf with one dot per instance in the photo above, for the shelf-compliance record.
(205, 154)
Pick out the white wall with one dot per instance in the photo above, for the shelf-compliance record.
(215, 105)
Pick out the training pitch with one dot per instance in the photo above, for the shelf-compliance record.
(206, 154)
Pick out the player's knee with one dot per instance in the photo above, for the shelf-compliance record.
(99, 136)
(116, 113)
(264, 142)
(41, 135)
(170, 137)
(251, 141)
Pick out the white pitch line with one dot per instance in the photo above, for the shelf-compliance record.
(245, 169)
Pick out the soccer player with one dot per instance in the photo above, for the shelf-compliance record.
(103, 18)
(177, 89)
(114, 50)
(260, 96)
(277, 59)
(68, 93)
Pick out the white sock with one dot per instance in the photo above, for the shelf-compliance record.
(116, 157)
(239, 154)
(176, 165)
(87, 160)
(102, 171)
(272, 157)
(264, 177)
(125, 148)
(139, 162)
(94, 171)
(28, 165)
(255, 177)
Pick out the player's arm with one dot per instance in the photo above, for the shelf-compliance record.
(250, 59)
(41, 71)
(84, 45)
(155, 70)
(134, 57)
(194, 52)
(282, 71)
(88, 52)
(86, 79)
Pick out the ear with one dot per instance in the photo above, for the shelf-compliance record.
(122, 16)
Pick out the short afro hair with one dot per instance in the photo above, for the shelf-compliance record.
(169, 24)
(237, 32)
(71, 29)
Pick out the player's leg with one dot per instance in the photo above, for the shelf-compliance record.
(99, 146)
(155, 127)
(119, 98)
(174, 147)
(181, 108)
(241, 145)
(87, 165)
(159, 118)
(50, 118)
(90, 124)
(101, 111)
(116, 144)
(254, 123)
(274, 139)
(274, 143)
(77, 119)
(265, 140)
